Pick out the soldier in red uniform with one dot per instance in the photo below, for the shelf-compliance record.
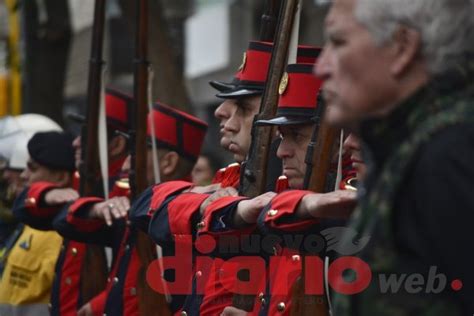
(178, 204)
(179, 138)
(241, 103)
(43, 203)
(292, 212)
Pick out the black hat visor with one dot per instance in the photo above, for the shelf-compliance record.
(286, 120)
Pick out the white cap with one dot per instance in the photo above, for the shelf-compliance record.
(8, 126)
(14, 129)
(36, 123)
(20, 155)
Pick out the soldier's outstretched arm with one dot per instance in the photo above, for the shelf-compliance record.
(303, 213)
(174, 207)
(40, 203)
(176, 214)
(73, 222)
(333, 205)
(152, 199)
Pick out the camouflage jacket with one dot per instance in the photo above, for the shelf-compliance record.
(443, 103)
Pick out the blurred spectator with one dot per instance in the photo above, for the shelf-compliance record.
(205, 168)
(28, 270)
(15, 132)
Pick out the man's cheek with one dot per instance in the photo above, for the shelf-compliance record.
(338, 113)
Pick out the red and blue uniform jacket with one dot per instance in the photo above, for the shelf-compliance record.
(284, 240)
(254, 244)
(171, 215)
(74, 223)
(120, 296)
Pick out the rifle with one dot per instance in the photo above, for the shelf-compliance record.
(253, 180)
(254, 176)
(149, 302)
(94, 267)
(271, 12)
(318, 161)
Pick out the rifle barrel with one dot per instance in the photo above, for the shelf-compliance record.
(254, 176)
(90, 168)
(269, 19)
(139, 115)
(94, 267)
(316, 180)
(149, 302)
(253, 182)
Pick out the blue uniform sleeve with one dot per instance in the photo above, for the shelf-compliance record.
(77, 226)
(151, 199)
(139, 211)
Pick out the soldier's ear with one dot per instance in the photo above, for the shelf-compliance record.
(169, 163)
(117, 146)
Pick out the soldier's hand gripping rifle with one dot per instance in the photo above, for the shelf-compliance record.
(94, 267)
(149, 301)
(318, 161)
(253, 179)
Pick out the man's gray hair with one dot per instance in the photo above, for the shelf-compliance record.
(446, 27)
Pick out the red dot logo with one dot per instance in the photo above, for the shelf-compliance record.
(456, 285)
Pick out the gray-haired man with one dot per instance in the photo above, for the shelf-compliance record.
(402, 70)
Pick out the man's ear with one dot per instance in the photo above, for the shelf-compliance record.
(407, 47)
(169, 163)
(117, 146)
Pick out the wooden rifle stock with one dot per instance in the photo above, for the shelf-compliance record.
(254, 176)
(90, 169)
(149, 301)
(139, 113)
(316, 181)
(94, 267)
